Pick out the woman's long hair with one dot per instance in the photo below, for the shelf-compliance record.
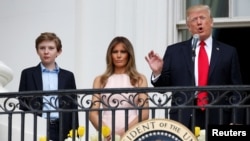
(130, 68)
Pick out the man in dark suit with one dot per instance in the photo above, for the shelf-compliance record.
(179, 68)
(48, 76)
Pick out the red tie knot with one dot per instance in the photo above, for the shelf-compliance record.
(202, 43)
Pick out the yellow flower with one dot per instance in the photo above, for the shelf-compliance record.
(71, 133)
(197, 131)
(105, 131)
(43, 138)
(81, 131)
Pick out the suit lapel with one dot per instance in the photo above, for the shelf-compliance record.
(60, 79)
(37, 75)
(214, 56)
(187, 53)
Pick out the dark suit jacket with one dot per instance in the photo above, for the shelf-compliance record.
(31, 80)
(178, 70)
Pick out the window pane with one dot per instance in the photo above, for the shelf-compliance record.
(241, 8)
(219, 8)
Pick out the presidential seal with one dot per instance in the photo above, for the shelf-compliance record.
(159, 130)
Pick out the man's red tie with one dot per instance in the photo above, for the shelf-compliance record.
(203, 67)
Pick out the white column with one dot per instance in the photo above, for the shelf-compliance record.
(6, 75)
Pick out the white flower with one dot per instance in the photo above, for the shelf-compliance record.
(202, 136)
(117, 138)
(94, 137)
(81, 139)
(70, 139)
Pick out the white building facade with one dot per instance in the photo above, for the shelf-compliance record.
(86, 28)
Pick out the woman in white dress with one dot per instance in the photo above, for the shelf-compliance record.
(120, 72)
